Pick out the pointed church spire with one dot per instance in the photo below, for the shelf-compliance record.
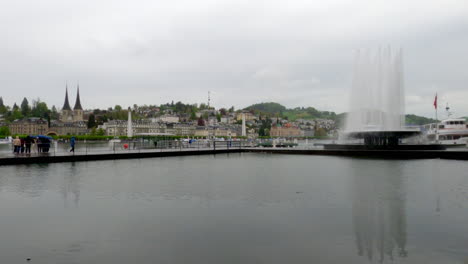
(78, 101)
(66, 105)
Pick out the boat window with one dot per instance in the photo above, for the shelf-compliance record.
(441, 126)
(456, 137)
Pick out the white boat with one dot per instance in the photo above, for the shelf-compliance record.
(449, 132)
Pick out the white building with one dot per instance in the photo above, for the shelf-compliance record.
(119, 127)
(167, 119)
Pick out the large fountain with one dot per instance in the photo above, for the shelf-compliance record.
(377, 103)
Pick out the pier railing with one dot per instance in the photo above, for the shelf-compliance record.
(141, 146)
(120, 147)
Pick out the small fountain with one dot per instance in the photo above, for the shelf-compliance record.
(377, 103)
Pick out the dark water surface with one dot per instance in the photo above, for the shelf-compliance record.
(236, 208)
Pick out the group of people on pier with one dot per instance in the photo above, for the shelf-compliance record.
(24, 145)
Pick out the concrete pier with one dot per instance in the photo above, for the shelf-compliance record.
(375, 154)
(108, 156)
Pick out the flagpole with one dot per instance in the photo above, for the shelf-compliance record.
(437, 120)
(437, 127)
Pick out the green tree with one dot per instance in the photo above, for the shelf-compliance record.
(3, 108)
(265, 127)
(193, 115)
(91, 121)
(4, 131)
(40, 109)
(25, 109)
(93, 131)
(54, 114)
(118, 108)
(14, 114)
(100, 132)
(320, 132)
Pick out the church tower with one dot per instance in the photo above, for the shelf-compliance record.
(78, 110)
(67, 114)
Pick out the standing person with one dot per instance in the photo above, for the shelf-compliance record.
(28, 142)
(39, 145)
(22, 145)
(72, 144)
(33, 144)
(16, 145)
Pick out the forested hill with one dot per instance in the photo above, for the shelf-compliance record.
(278, 110)
(418, 120)
(267, 108)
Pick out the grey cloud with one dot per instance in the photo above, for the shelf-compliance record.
(299, 53)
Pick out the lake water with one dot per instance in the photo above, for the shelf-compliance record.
(236, 208)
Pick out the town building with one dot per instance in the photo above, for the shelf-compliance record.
(202, 131)
(248, 116)
(309, 132)
(181, 129)
(167, 118)
(119, 127)
(71, 122)
(224, 132)
(227, 119)
(285, 131)
(68, 128)
(69, 115)
(29, 126)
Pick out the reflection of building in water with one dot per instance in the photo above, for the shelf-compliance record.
(379, 212)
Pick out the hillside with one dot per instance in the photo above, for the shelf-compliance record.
(418, 120)
(267, 108)
(276, 109)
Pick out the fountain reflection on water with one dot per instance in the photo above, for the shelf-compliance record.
(379, 215)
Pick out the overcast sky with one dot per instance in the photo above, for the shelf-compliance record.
(298, 53)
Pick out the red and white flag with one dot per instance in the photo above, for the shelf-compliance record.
(435, 102)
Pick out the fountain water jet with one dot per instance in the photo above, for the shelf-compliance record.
(377, 103)
(377, 96)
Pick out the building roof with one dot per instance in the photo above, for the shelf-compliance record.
(78, 101)
(66, 105)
